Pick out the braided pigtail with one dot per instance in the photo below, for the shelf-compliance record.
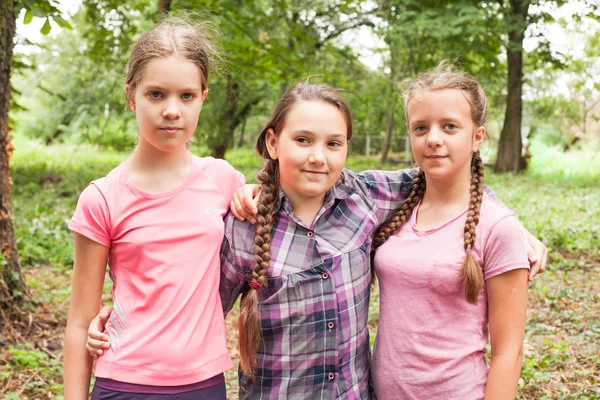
(249, 320)
(471, 270)
(392, 225)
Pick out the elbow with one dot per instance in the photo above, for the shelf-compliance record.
(509, 357)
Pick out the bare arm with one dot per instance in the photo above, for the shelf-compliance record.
(88, 278)
(507, 298)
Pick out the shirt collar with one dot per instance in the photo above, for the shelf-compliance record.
(340, 191)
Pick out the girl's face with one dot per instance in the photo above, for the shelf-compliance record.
(311, 150)
(167, 102)
(442, 133)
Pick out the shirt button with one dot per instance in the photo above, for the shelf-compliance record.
(310, 234)
(325, 275)
(330, 325)
(331, 376)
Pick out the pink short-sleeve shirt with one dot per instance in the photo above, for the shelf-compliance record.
(167, 327)
(431, 342)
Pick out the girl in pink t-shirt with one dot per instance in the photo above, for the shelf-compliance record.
(451, 262)
(157, 221)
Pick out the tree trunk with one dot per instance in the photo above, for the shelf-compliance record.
(509, 157)
(12, 284)
(389, 125)
(242, 140)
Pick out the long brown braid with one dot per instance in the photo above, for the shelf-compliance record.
(393, 225)
(442, 77)
(249, 320)
(471, 270)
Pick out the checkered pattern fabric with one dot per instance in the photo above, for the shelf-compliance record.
(315, 341)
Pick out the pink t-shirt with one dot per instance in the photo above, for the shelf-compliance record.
(431, 342)
(167, 327)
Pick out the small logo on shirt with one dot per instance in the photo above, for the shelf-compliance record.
(209, 211)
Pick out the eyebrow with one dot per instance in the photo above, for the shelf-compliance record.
(306, 131)
(153, 86)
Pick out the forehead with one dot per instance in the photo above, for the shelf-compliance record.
(173, 71)
(437, 103)
(319, 117)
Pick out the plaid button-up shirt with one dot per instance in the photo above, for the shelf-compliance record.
(315, 341)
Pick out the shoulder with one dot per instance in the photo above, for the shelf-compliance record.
(217, 165)
(219, 171)
(103, 190)
(492, 212)
(498, 224)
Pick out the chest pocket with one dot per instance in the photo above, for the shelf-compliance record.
(295, 309)
(445, 278)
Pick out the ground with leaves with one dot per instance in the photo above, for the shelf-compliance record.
(558, 201)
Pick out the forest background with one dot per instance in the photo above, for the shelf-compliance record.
(539, 62)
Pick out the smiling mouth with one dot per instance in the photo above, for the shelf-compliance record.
(315, 172)
(171, 129)
(436, 157)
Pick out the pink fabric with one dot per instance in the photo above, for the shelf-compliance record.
(431, 341)
(167, 327)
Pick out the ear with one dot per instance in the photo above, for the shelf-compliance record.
(129, 95)
(204, 94)
(271, 141)
(478, 137)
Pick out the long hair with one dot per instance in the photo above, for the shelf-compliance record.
(249, 320)
(442, 77)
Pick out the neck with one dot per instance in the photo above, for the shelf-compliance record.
(147, 158)
(305, 208)
(445, 192)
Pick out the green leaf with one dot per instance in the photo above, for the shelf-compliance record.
(46, 28)
(28, 17)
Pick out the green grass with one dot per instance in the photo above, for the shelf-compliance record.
(558, 200)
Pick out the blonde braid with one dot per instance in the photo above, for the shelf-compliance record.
(249, 319)
(471, 272)
(392, 225)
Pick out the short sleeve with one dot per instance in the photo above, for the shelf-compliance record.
(92, 217)
(504, 248)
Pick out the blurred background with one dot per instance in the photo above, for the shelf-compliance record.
(538, 61)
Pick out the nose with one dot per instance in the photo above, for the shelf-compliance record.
(434, 137)
(317, 156)
(171, 110)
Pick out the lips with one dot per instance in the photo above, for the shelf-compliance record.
(170, 129)
(315, 172)
(436, 156)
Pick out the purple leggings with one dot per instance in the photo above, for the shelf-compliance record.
(214, 392)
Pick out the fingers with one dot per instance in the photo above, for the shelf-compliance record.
(540, 265)
(250, 199)
(538, 256)
(243, 206)
(236, 208)
(104, 313)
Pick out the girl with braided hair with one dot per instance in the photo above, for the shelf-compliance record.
(303, 269)
(463, 267)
